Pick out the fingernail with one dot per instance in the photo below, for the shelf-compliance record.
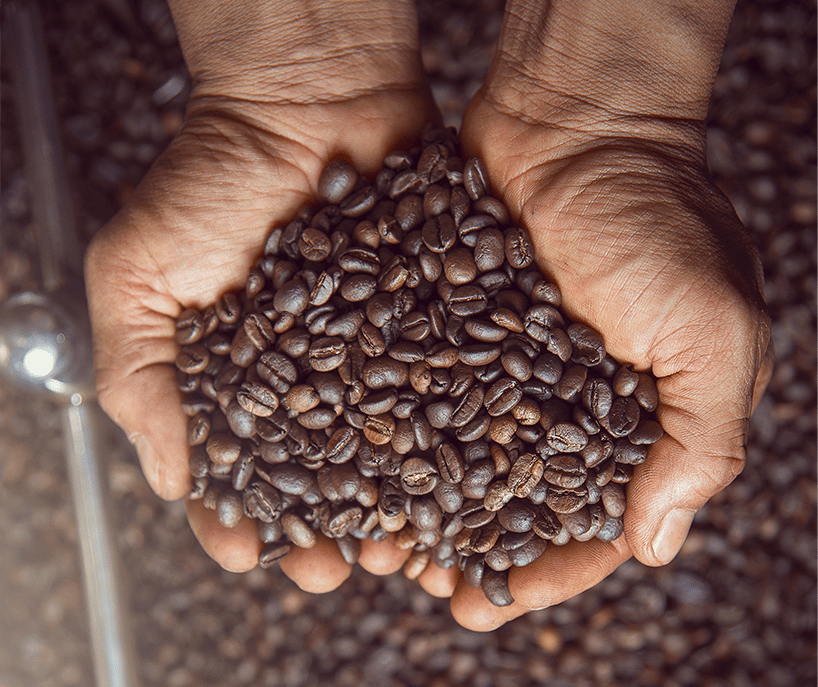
(672, 534)
(147, 456)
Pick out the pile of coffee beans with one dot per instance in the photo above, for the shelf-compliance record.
(398, 364)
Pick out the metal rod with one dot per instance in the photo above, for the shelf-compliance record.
(112, 636)
(51, 206)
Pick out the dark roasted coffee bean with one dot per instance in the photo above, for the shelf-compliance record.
(389, 229)
(294, 343)
(518, 248)
(449, 462)
(565, 470)
(358, 287)
(228, 308)
(327, 353)
(262, 501)
(439, 414)
(459, 267)
(477, 478)
(337, 180)
(272, 554)
(436, 200)
(360, 261)
(384, 372)
(468, 407)
(485, 330)
(222, 448)
(475, 178)
(229, 508)
(371, 340)
(566, 437)
(379, 402)
(613, 498)
(646, 393)
(628, 453)
(298, 530)
(243, 471)
(192, 359)
(525, 473)
(598, 449)
(258, 399)
(548, 368)
(269, 532)
(277, 370)
(565, 499)
(623, 417)
(301, 398)
(612, 529)
(346, 326)
(646, 432)
(489, 247)
(528, 552)
(479, 354)
(415, 326)
(379, 428)
(473, 571)
(597, 397)
(293, 297)
(287, 477)
(517, 515)
(314, 245)
(432, 163)
(625, 381)
(439, 233)
(198, 429)
(189, 326)
(418, 476)
(394, 275)
(425, 513)
(570, 385)
(539, 320)
(358, 203)
(545, 524)
(588, 346)
(317, 418)
(474, 429)
(502, 396)
(409, 212)
(518, 365)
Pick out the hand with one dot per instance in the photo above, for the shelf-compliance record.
(277, 94)
(646, 250)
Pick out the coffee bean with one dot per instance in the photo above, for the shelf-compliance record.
(626, 452)
(229, 508)
(475, 178)
(545, 524)
(565, 470)
(502, 396)
(418, 476)
(540, 319)
(358, 203)
(623, 417)
(346, 326)
(565, 499)
(383, 372)
(379, 428)
(570, 385)
(277, 370)
(625, 381)
(258, 399)
(646, 432)
(327, 353)
(518, 248)
(336, 181)
(525, 473)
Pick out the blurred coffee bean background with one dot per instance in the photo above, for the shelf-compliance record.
(737, 608)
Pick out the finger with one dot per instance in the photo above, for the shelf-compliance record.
(235, 549)
(382, 558)
(565, 571)
(439, 582)
(764, 376)
(319, 569)
(471, 609)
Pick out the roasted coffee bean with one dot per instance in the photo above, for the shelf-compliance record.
(567, 437)
(646, 432)
(449, 497)
(566, 500)
(565, 470)
(518, 248)
(277, 370)
(301, 398)
(613, 498)
(383, 372)
(337, 180)
(539, 320)
(189, 326)
(517, 515)
(192, 359)
(418, 476)
(298, 530)
(597, 450)
(198, 429)
(459, 267)
(612, 529)
(623, 417)
(588, 346)
(262, 501)
(628, 453)
(415, 326)
(288, 478)
(502, 396)
(518, 365)
(625, 381)
(545, 524)
(258, 399)
(243, 471)
(597, 397)
(570, 385)
(525, 473)
(379, 428)
(475, 178)
(528, 552)
(358, 287)
(477, 478)
(314, 245)
(469, 300)
(468, 407)
(358, 203)
(327, 353)
(371, 340)
(439, 233)
(360, 261)
(346, 326)
(646, 393)
(229, 508)
(485, 330)
(474, 429)
(480, 354)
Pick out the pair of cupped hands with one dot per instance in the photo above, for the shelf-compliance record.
(616, 198)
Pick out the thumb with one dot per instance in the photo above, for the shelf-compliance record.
(134, 350)
(706, 394)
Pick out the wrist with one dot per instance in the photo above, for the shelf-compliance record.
(303, 52)
(612, 63)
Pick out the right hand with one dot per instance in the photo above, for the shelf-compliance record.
(271, 105)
